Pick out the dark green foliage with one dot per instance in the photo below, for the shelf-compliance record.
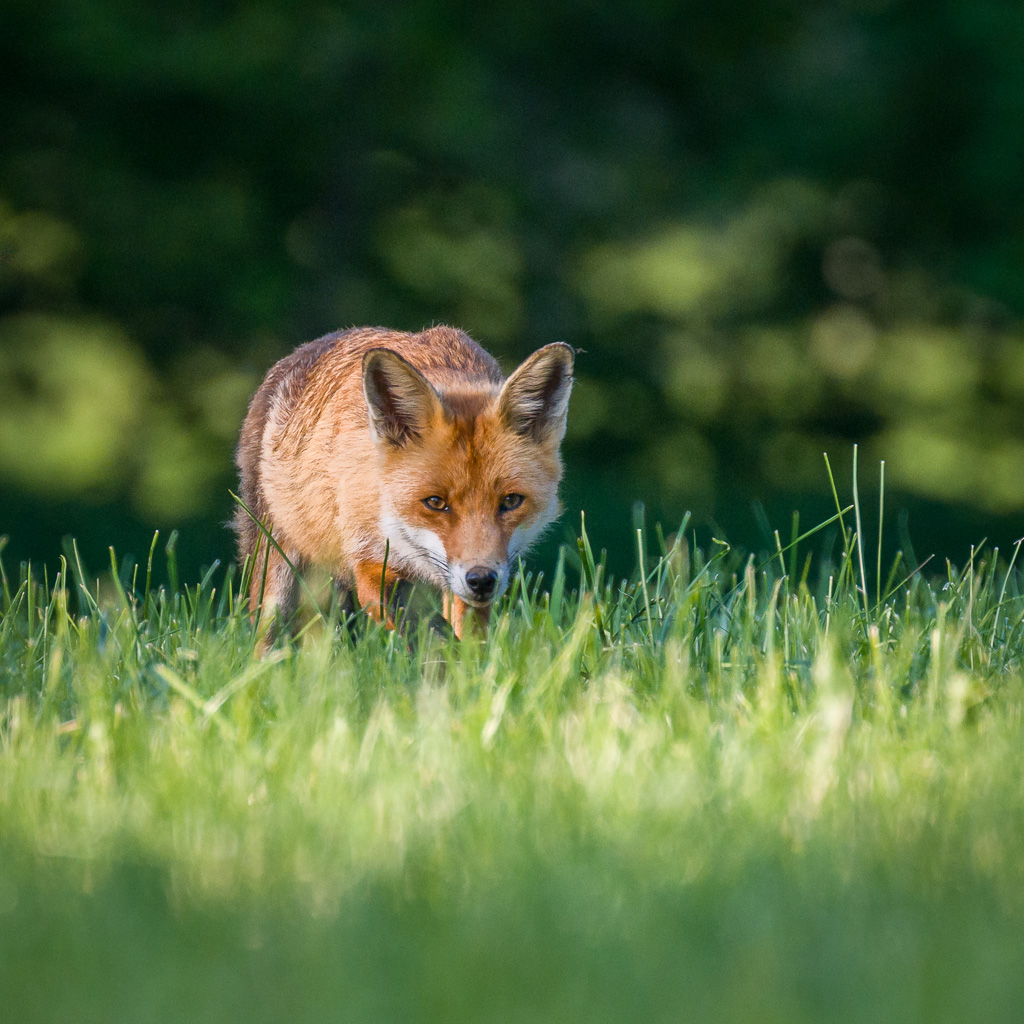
(773, 228)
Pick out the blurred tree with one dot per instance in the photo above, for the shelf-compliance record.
(774, 229)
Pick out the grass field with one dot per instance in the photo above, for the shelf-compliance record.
(716, 792)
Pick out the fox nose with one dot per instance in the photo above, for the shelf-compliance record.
(481, 581)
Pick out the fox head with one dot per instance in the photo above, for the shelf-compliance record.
(469, 475)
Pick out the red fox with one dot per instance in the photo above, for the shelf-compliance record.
(380, 456)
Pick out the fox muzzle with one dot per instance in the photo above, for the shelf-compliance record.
(482, 582)
(479, 585)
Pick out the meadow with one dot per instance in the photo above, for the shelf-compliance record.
(728, 788)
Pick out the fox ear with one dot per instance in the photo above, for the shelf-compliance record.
(400, 399)
(535, 399)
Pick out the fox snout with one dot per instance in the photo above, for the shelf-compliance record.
(481, 582)
(479, 585)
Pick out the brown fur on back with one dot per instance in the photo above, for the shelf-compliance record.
(288, 376)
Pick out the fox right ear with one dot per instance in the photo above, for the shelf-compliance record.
(535, 400)
(399, 398)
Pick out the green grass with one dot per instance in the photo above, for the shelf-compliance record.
(711, 793)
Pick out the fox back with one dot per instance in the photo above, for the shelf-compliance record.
(382, 455)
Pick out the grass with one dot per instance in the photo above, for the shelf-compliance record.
(714, 792)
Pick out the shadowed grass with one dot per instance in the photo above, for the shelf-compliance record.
(710, 792)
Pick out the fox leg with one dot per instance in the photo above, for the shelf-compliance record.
(455, 610)
(274, 599)
(368, 590)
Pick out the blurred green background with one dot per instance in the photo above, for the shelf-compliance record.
(775, 228)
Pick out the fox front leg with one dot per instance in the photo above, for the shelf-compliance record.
(370, 590)
(456, 610)
(272, 594)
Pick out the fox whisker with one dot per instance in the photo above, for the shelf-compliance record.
(437, 563)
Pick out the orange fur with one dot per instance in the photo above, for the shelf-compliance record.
(347, 437)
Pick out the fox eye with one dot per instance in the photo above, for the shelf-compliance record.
(510, 502)
(436, 503)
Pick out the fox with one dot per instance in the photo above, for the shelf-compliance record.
(383, 456)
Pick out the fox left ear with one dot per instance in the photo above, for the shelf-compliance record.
(535, 400)
(400, 400)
